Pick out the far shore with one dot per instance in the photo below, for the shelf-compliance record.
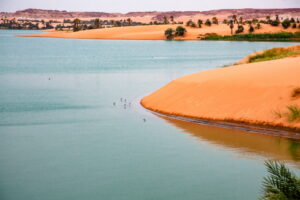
(152, 32)
(260, 94)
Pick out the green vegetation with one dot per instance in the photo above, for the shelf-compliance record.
(208, 22)
(200, 22)
(97, 23)
(258, 26)
(180, 31)
(190, 23)
(278, 114)
(286, 23)
(281, 184)
(294, 25)
(294, 113)
(76, 26)
(251, 29)
(169, 33)
(231, 26)
(283, 36)
(166, 20)
(275, 23)
(240, 29)
(272, 54)
(215, 20)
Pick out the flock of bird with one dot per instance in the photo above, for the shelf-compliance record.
(122, 100)
(125, 104)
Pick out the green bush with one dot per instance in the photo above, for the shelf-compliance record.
(240, 29)
(251, 29)
(180, 31)
(169, 33)
(215, 20)
(286, 23)
(274, 22)
(208, 22)
(258, 26)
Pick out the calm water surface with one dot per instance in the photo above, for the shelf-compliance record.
(61, 137)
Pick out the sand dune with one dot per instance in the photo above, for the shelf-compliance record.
(150, 32)
(256, 93)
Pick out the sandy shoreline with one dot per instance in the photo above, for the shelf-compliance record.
(151, 32)
(256, 94)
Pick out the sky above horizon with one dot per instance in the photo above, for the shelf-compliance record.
(142, 5)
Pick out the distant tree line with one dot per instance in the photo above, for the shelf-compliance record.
(24, 24)
(98, 23)
(239, 22)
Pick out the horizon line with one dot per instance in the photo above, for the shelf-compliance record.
(64, 10)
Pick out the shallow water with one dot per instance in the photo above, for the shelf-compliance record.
(61, 137)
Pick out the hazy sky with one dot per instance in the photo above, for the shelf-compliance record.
(143, 5)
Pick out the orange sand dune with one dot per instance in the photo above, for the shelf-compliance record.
(150, 32)
(255, 93)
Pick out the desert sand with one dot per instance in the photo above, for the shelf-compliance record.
(256, 93)
(151, 32)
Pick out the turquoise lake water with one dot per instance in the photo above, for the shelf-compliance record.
(61, 137)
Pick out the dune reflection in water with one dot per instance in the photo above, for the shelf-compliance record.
(242, 142)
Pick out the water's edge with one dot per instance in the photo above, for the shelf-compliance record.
(252, 128)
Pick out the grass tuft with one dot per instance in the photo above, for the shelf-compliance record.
(278, 114)
(294, 113)
(272, 54)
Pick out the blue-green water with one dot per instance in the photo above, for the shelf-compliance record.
(62, 138)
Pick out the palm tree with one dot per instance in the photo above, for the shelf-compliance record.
(165, 20)
(281, 184)
(268, 19)
(231, 26)
(241, 20)
(76, 23)
(251, 29)
(169, 33)
(97, 23)
(208, 22)
(234, 18)
(215, 20)
(200, 22)
(172, 19)
(129, 21)
(258, 26)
